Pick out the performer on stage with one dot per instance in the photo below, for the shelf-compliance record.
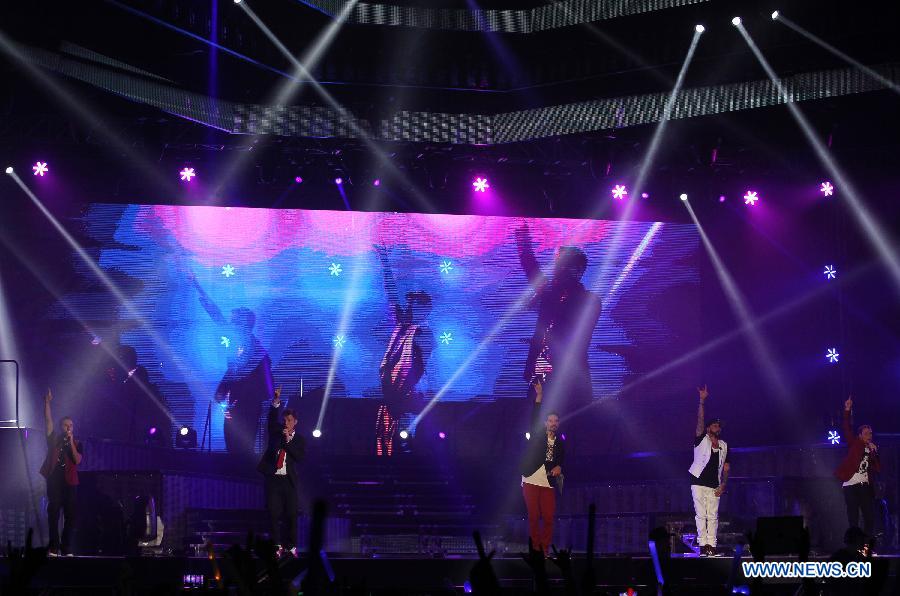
(567, 315)
(542, 473)
(60, 468)
(855, 472)
(284, 449)
(248, 377)
(405, 357)
(709, 474)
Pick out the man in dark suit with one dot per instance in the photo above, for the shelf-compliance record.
(284, 448)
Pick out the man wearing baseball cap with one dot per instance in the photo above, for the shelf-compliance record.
(709, 473)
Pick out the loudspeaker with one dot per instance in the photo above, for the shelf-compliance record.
(782, 535)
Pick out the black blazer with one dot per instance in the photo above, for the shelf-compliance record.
(536, 453)
(294, 449)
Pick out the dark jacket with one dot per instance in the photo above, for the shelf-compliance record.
(275, 441)
(855, 454)
(54, 448)
(536, 453)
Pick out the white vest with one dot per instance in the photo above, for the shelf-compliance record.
(702, 455)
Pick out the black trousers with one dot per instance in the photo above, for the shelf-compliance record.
(281, 502)
(860, 497)
(61, 497)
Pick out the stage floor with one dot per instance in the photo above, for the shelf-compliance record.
(386, 575)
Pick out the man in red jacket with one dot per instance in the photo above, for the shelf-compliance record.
(855, 471)
(60, 468)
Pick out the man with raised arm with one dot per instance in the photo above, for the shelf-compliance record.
(542, 473)
(709, 474)
(855, 472)
(60, 468)
(284, 448)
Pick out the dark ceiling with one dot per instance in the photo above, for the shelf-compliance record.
(387, 69)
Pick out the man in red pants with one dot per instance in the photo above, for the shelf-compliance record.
(541, 473)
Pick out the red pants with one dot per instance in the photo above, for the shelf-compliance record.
(541, 504)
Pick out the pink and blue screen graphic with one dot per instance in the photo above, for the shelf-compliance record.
(213, 289)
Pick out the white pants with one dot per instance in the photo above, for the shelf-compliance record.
(706, 511)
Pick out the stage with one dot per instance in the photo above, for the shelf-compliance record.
(405, 575)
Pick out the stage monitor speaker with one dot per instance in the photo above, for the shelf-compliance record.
(781, 535)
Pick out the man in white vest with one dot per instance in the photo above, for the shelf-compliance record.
(709, 473)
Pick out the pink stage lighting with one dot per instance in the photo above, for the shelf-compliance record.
(827, 188)
(751, 197)
(187, 174)
(481, 184)
(442, 435)
(619, 191)
(298, 180)
(376, 182)
(40, 168)
(338, 180)
(645, 195)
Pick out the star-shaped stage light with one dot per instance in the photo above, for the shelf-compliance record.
(619, 191)
(446, 266)
(225, 341)
(227, 270)
(40, 168)
(832, 355)
(827, 189)
(833, 437)
(339, 341)
(335, 269)
(446, 338)
(481, 184)
(830, 272)
(187, 174)
(751, 197)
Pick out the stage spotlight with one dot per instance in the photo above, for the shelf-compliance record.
(298, 179)
(442, 435)
(751, 197)
(9, 169)
(338, 180)
(827, 188)
(187, 174)
(736, 21)
(774, 15)
(699, 28)
(154, 437)
(40, 168)
(830, 272)
(237, 1)
(527, 436)
(376, 182)
(481, 184)
(832, 356)
(404, 434)
(187, 438)
(834, 437)
(645, 195)
(721, 198)
(317, 433)
(619, 191)
(683, 196)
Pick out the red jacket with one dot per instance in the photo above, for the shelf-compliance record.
(855, 454)
(52, 460)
